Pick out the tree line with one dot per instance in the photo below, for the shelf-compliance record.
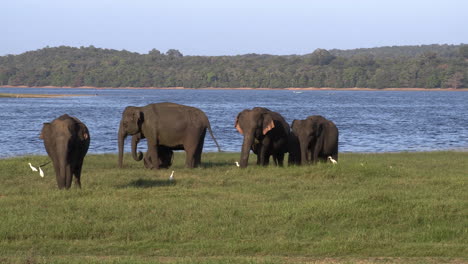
(427, 66)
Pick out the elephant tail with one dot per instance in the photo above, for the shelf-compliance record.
(214, 139)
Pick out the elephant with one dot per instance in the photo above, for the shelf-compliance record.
(317, 137)
(294, 149)
(66, 140)
(166, 126)
(165, 154)
(265, 132)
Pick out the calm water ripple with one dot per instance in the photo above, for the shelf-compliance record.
(368, 121)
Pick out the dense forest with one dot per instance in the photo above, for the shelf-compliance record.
(426, 66)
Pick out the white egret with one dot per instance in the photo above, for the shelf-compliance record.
(171, 178)
(332, 160)
(237, 164)
(31, 166)
(41, 172)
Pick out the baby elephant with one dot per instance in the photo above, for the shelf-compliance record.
(66, 140)
(165, 154)
(316, 138)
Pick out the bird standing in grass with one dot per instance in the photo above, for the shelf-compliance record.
(31, 166)
(332, 160)
(171, 178)
(41, 173)
(237, 164)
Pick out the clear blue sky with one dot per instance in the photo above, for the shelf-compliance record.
(230, 27)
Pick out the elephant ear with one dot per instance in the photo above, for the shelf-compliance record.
(44, 130)
(292, 124)
(268, 123)
(237, 126)
(137, 115)
(82, 131)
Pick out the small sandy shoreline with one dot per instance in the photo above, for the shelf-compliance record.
(14, 95)
(241, 88)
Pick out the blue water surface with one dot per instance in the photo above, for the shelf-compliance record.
(368, 121)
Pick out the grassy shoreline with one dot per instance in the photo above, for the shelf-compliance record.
(370, 208)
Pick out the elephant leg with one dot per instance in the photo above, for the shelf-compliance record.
(292, 160)
(58, 177)
(275, 159)
(264, 155)
(68, 176)
(60, 181)
(334, 152)
(256, 149)
(78, 178)
(190, 156)
(199, 151)
(147, 161)
(324, 158)
(63, 172)
(153, 157)
(190, 159)
(77, 173)
(314, 154)
(166, 158)
(197, 158)
(264, 159)
(280, 159)
(56, 165)
(313, 157)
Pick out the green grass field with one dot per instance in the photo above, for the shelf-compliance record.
(370, 208)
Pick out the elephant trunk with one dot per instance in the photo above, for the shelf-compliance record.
(248, 141)
(135, 139)
(122, 136)
(304, 151)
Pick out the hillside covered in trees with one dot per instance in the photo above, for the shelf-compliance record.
(427, 66)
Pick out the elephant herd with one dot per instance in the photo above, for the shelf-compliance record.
(169, 126)
(267, 134)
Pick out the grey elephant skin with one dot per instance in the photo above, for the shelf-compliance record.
(66, 140)
(166, 126)
(265, 132)
(165, 154)
(317, 139)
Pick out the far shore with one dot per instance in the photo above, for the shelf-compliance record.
(241, 88)
(14, 95)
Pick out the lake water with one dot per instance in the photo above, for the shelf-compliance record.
(368, 121)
